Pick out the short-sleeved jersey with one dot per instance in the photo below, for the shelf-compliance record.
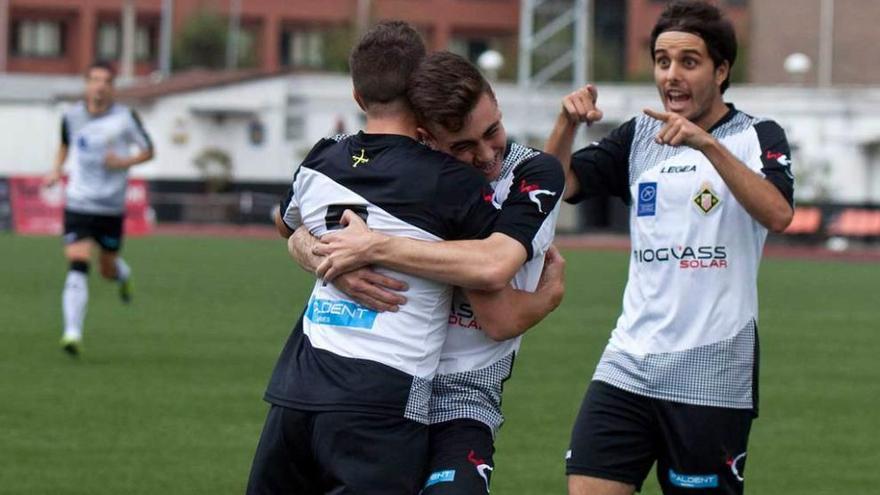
(473, 367)
(93, 188)
(688, 330)
(343, 356)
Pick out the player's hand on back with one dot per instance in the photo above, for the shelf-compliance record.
(552, 281)
(580, 107)
(347, 249)
(371, 289)
(678, 131)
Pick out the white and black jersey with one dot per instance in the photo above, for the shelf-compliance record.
(342, 356)
(688, 331)
(473, 367)
(93, 188)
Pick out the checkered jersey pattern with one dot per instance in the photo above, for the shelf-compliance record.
(419, 399)
(471, 394)
(719, 374)
(645, 153)
(515, 155)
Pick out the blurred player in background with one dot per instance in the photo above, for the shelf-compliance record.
(97, 137)
(458, 114)
(677, 383)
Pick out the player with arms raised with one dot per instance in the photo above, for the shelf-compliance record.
(677, 383)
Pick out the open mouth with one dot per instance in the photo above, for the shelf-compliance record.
(677, 98)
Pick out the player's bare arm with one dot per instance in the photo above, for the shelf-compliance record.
(487, 264)
(58, 167)
(508, 313)
(116, 162)
(758, 196)
(367, 287)
(282, 228)
(578, 107)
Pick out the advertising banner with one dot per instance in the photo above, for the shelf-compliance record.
(37, 209)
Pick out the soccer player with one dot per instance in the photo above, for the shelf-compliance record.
(677, 383)
(350, 391)
(97, 135)
(459, 115)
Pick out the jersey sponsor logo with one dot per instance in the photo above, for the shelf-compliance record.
(462, 315)
(687, 256)
(483, 469)
(737, 466)
(647, 205)
(696, 481)
(340, 314)
(110, 242)
(82, 143)
(535, 192)
(706, 200)
(678, 169)
(446, 476)
(359, 159)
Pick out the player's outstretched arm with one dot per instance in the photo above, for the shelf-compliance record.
(508, 313)
(577, 107)
(366, 287)
(763, 200)
(486, 264)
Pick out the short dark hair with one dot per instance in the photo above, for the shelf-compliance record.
(445, 88)
(383, 60)
(101, 64)
(704, 20)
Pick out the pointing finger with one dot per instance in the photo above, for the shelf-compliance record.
(661, 116)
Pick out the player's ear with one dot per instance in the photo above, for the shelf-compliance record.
(358, 99)
(425, 137)
(721, 72)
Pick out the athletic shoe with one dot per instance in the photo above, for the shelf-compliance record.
(125, 290)
(71, 346)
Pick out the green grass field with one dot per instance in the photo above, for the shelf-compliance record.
(167, 397)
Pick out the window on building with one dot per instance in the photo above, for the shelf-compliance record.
(470, 48)
(295, 118)
(109, 42)
(38, 38)
(302, 48)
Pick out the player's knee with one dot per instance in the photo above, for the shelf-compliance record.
(79, 266)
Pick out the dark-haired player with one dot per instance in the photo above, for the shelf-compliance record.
(350, 391)
(96, 135)
(677, 383)
(458, 114)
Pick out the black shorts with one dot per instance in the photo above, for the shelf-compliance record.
(309, 452)
(619, 435)
(106, 230)
(461, 458)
